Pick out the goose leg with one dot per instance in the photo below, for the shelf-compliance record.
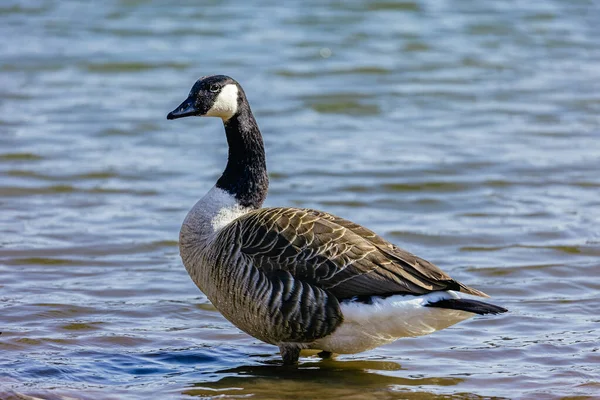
(290, 354)
(325, 354)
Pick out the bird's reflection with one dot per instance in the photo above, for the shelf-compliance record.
(322, 379)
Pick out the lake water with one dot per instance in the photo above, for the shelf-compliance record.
(466, 132)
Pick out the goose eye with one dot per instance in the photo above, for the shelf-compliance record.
(214, 88)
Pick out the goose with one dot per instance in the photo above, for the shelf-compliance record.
(299, 278)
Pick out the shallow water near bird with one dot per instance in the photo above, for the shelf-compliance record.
(467, 133)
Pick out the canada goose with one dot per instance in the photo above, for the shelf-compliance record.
(301, 278)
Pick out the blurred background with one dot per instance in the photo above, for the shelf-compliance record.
(467, 132)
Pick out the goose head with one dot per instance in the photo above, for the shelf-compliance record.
(211, 96)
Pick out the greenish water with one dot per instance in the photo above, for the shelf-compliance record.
(466, 132)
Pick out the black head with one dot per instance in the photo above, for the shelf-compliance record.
(211, 96)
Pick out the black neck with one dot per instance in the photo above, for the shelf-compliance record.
(245, 176)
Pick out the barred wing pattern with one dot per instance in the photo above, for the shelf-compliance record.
(291, 268)
(274, 306)
(337, 255)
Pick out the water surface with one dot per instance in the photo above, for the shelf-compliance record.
(466, 132)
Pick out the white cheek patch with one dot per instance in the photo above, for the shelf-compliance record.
(226, 104)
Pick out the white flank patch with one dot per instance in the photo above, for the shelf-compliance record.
(226, 104)
(367, 326)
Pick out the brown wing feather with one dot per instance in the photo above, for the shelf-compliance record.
(403, 257)
(337, 255)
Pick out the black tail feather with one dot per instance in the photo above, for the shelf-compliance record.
(474, 306)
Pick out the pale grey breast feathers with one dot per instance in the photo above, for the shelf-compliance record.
(335, 254)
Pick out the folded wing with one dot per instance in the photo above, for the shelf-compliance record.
(336, 255)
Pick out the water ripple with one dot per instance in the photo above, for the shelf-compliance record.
(465, 132)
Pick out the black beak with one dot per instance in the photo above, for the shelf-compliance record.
(185, 109)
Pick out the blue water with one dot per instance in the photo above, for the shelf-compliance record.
(466, 132)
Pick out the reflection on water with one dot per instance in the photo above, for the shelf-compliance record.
(466, 132)
(328, 379)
